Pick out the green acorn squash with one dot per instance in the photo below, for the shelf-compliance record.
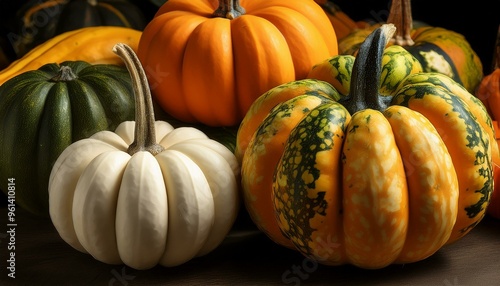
(43, 111)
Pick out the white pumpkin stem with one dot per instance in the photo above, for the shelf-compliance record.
(229, 9)
(400, 15)
(145, 134)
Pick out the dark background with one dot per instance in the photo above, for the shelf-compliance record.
(478, 20)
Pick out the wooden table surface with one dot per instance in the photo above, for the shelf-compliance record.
(247, 257)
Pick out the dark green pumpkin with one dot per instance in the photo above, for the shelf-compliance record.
(45, 110)
(41, 20)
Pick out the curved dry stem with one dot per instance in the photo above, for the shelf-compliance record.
(145, 134)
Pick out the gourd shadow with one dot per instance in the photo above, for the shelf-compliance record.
(251, 258)
(394, 274)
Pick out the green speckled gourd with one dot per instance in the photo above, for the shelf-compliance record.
(365, 178)
(43, 111)
(397, 64)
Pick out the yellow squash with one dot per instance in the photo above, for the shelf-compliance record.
(92, 44)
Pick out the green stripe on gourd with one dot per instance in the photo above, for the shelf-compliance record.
(266, 144)
(451, 46)
(434, 59)
(474, 103)
(297, 173)
(441, 80)
(339, 69)
(284, 110)
(397, 64)
(467, 142)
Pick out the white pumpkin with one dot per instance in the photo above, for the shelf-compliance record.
(125, 199)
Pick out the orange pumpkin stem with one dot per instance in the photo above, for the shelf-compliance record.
(230, 9)
(400, 15)
(145, 134)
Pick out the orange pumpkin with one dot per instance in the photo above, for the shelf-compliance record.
(489, 93)
(494, 206)
(207, 61)
(488, 90)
